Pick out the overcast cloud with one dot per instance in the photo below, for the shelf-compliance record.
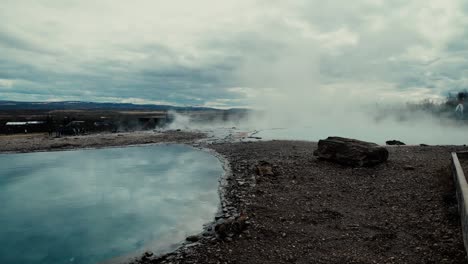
(232, 53)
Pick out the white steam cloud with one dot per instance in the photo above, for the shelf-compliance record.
(307, 63)
(325, 78)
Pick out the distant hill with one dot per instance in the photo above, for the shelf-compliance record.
(77, 105)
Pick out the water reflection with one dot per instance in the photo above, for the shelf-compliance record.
(91, 205)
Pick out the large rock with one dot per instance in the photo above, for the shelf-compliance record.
(351, 152)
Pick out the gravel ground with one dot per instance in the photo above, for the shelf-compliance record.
(313, 211)
(42, 142)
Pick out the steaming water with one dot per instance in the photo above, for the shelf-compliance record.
(89, 206)
(410, 133)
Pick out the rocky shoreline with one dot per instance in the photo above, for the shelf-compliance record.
(280, 204)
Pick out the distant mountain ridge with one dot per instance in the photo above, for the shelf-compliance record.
(79, 105)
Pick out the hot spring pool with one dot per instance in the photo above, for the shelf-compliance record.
(89, 206)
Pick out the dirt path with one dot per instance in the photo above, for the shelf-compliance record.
(312, 211)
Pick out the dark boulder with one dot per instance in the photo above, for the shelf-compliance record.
(351, 152)
(395, 143)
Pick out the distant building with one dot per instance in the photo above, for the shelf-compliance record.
(23, 127)
(24, 123)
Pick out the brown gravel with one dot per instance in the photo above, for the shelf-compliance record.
(313, 211)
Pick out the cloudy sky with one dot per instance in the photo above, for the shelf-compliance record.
(230, 53)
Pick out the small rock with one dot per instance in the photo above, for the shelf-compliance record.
(264, 169)
(409, 168)
(207, 234)
(395, 143)
(192, 238)
(232, 226)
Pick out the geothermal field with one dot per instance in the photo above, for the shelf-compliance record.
(233, 132)
(208, 190)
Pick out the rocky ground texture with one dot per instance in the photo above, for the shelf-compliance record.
(290, 207)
